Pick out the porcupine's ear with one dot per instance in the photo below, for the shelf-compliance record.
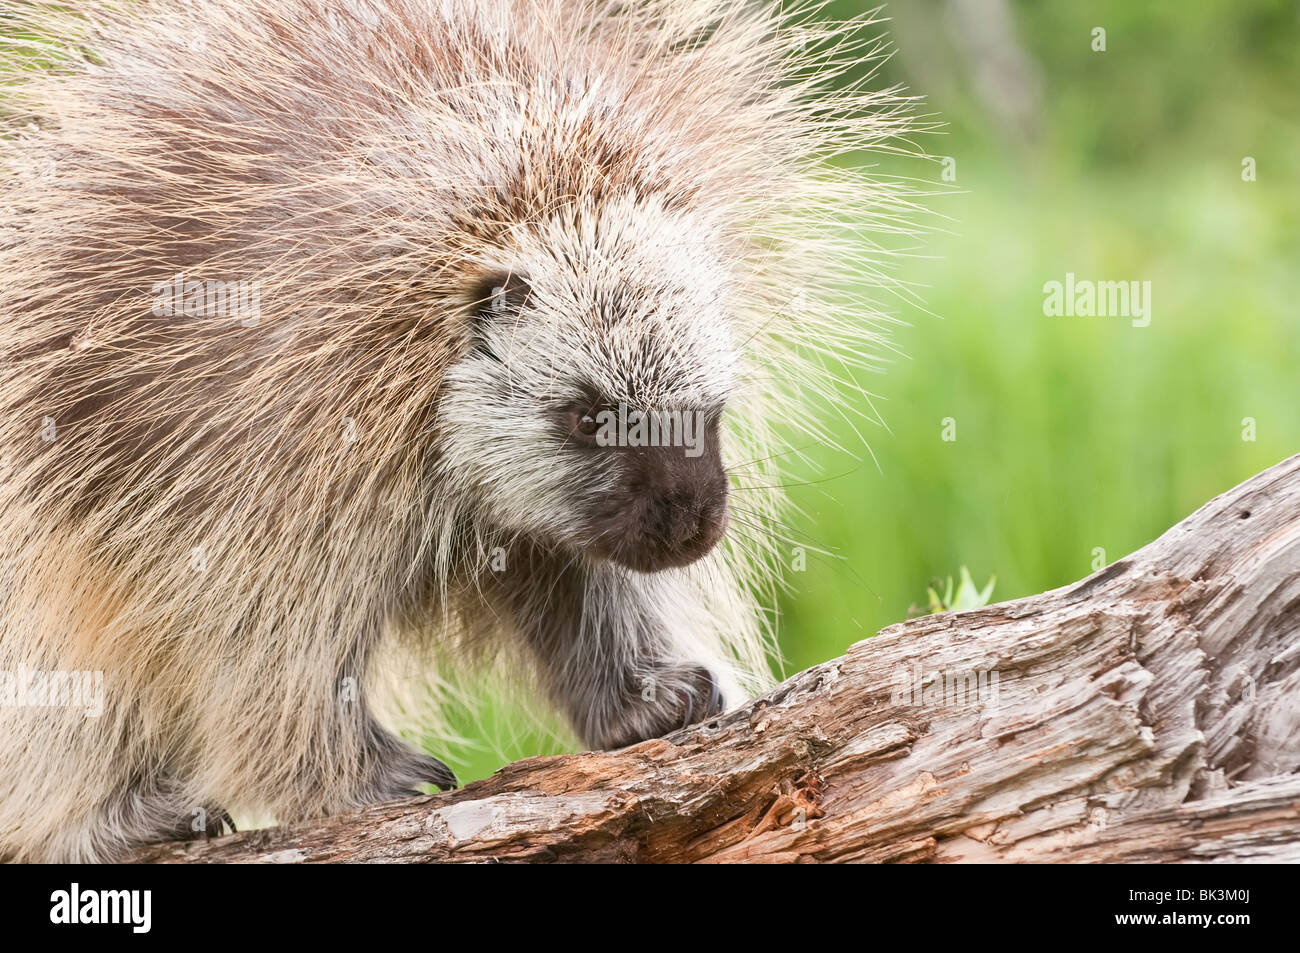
(500, 294)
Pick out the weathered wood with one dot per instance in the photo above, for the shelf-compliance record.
(1150, 712)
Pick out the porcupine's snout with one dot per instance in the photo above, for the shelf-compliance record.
(683, 511)
(669, 507)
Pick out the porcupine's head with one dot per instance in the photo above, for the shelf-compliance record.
(603, 357)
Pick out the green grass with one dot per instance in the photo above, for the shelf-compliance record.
(960, 596)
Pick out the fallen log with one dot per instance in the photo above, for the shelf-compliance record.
(1150, 712)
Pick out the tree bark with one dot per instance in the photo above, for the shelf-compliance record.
(1150, 712)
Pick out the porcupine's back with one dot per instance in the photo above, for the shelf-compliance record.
(181, 487)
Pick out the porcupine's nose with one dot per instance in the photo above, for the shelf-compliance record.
(668, 507)
(683, 506)
(689, 520)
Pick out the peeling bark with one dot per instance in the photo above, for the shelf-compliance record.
(1150, 712)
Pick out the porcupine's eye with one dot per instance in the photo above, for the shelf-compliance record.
(581, 422)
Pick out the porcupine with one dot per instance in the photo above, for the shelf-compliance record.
(470, 228)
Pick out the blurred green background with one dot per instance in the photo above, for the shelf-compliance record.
(1074, 434)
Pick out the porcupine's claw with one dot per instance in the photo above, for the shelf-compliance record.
(430, 770)
(396, 769)
(222, 820)
(217, 821)
(439, 774)
(713, 700)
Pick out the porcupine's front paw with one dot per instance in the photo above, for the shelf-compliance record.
(398, 768)
(400, 777)
(657, 702)
(153, 811)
